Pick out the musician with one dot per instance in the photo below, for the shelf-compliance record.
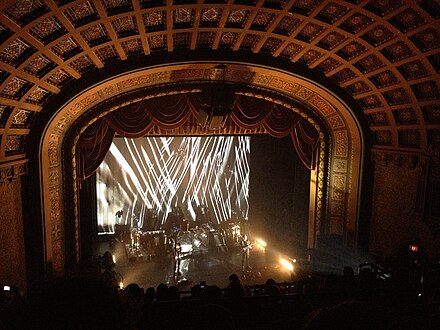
(119, 217)
(246, 246)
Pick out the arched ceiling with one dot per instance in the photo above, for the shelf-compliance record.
(384, 54)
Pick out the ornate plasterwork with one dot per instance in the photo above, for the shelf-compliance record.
(337, 200)
(11, 172)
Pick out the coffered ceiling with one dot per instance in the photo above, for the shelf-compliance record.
(384, 54)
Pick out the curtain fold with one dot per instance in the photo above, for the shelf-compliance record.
(92, 147)
(171, 112)
(249, 113)
(131, 121)
(280, 121)
(305, 141)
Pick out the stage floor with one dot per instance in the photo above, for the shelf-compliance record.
(213, 267)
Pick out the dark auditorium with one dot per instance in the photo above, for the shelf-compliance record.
(219, 164)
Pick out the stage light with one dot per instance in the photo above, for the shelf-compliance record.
(260, 242)
(114, 259)
(286, 264)
(121, 285)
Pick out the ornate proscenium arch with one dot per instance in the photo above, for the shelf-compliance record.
(335, 184)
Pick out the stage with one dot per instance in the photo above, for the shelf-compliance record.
(212, 266)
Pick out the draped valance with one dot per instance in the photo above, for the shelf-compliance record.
(166, 114)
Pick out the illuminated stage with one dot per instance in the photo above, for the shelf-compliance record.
(213, 267)
(150, 190)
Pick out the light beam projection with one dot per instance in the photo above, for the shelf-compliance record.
(148, 178)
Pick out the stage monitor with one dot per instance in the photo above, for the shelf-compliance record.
(147, 182)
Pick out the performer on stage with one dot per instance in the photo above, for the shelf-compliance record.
(119, 217)
(246, 246)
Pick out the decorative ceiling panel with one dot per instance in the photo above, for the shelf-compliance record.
(271, 45)
(5, 33)
(369, 63)
(125, 26)
(370, 102)
(228, 39)
(249, 41)
(48, 30)
(405, 116)
(397, 51)
(291, 50)
(59, 78)
(277, 4)
(431, 7)
(155, 20)
(431, 113)
(329, 64)
(262, 21)
(237, 18)
(384, 54)
(37, 96)
(383, 138)
(95, 35)
(407, 20)
(344, 75)
(211, 17)
(351, 50)
(39, 66)
(114, 7)
(81, 13)
(309, 32)
(434, 59)
(157, 42)
(21, 119)
(409, 138)
(66, 48)
(23, 12)
(384, 79)
(358, 87)
(132, 47)
(107, 54)
(14, 144)
(304, 7)
(356, 22)
(183, 17)
(332, 12)
(287, 25)
(204, 39)
(82, 64)
(310, 57)
(427, 39)
(383, 7)
(378, 35)
(413, 70)
(181, 40)
(16, 52)
(5, 112)
(331, 40)
(378, 119)
(397, 96)
(427, 90)
(15, 88)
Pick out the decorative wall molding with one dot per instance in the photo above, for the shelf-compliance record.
(11, 171)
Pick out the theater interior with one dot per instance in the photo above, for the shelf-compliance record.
(171, 133)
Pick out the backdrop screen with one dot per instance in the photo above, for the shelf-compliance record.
(142, 181)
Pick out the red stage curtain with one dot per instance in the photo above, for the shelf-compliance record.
(171, 112)
(305, 140)
(92, 146)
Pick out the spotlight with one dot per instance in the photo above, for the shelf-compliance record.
(114, 259)
(121, 285)
(260, 242)
(287, 264)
